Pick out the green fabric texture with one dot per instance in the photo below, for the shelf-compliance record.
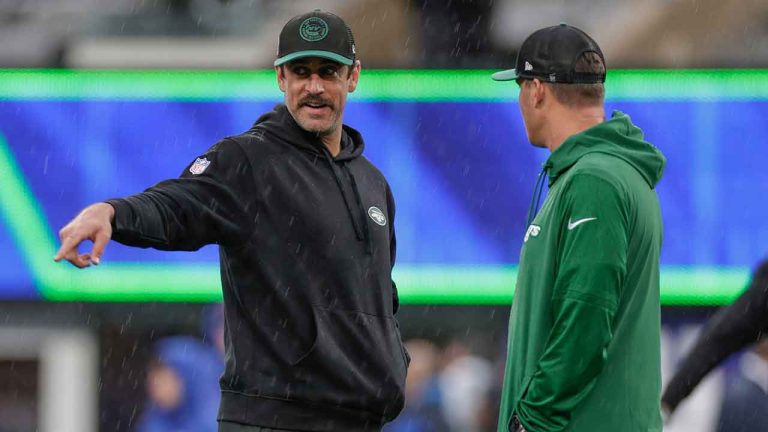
(584, 331)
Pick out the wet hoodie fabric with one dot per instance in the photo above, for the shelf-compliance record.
(583, 352)
(307, 245)
(198, 366)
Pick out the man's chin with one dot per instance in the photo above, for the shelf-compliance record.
(317, 127)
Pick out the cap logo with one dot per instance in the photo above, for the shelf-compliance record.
(313, 29)
(528, 66)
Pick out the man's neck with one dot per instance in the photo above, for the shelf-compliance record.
(566, 122)
(332, 141)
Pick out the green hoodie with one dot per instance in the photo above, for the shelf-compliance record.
(583, 353)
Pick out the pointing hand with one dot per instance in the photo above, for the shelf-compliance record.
(94, 223)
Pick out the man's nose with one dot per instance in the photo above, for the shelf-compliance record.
(315, 85)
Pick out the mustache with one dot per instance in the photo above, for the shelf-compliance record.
(314, 100)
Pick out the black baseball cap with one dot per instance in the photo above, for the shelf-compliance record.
(550, 54)
(316, 34)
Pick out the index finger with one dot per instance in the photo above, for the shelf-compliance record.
(68, 244)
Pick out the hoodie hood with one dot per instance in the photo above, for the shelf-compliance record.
(280, 125)
(617, 137)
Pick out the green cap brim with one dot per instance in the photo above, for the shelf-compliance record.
(506, 75)
(314, 53)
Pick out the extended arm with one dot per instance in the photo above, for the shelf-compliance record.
(731, 329)
(204, 205)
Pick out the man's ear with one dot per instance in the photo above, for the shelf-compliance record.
(280, 72)
(538, 93)
(354, 76)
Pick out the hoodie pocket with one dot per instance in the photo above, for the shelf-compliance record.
(524, 389)
(357, 361)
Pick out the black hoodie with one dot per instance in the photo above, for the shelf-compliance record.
(307, 246)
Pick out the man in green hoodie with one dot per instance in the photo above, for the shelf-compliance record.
(583, 353)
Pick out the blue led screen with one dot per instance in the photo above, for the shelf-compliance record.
(462, 172)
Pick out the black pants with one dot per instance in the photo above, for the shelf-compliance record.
(237, 427)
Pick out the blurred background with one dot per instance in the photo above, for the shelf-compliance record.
(390, 33)
(102, 99)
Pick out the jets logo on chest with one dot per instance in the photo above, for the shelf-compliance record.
(533, 231)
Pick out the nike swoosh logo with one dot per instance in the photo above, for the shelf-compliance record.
(574, 224)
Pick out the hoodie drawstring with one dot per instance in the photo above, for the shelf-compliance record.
(369, 242)
(533, 209)
(355, 221)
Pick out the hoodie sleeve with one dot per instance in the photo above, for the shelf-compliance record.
(392, 246)
(591, 271)
(732, 328)
(206, 204)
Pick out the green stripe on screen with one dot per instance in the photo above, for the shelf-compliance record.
(702, 286)
(136, 282)
(375, 85)
(680, 286)
(137, 85)
(21, 213)
(492, 285)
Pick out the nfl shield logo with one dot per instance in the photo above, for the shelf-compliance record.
(199, 166)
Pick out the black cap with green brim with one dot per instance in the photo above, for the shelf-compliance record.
(316, 34)
(550, 54)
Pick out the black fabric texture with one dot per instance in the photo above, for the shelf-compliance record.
(305, 269)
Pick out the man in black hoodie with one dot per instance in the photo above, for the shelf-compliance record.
(304, 224)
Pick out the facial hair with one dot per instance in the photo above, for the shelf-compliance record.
(320, 101)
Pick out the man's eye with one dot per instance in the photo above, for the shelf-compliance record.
(329, 71)
(300, 70)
